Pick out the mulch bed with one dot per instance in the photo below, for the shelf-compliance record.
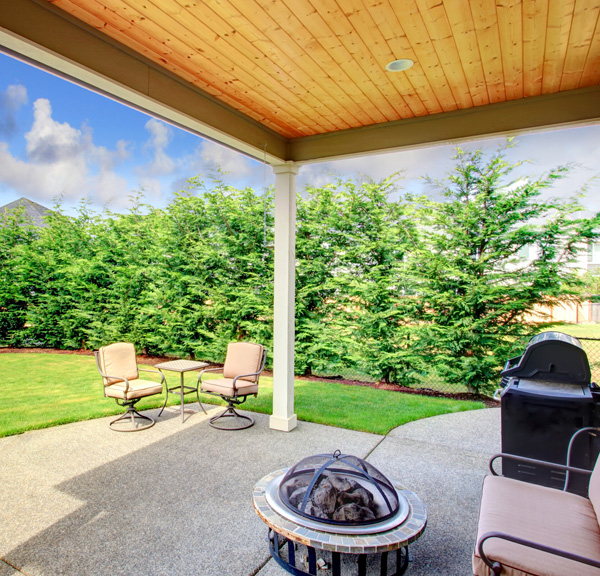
(153, 360)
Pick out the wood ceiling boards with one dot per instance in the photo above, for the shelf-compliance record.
(309, 68)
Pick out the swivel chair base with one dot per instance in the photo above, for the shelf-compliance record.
(231, 413)
(133, 414)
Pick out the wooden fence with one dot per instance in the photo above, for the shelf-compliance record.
(572, 312)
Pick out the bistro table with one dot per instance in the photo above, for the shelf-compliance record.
(181, 366)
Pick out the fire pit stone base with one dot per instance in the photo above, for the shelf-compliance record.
(396, 538)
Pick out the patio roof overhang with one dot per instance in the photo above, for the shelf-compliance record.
(299, 81)
(307, 81)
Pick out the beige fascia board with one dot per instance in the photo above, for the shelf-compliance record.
(537, 113)
(44, 36)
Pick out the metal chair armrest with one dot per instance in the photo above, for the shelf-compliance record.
(566, 468)
(243, 376)
(162, 376)
(496, 566)
(543, 463)
(211, 370)
(208, 370)
(119, 378)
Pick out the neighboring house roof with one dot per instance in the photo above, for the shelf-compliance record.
(34, 211)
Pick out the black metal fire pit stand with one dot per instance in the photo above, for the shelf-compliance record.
(402, 559)
(366, 544)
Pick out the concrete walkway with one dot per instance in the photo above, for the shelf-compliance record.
(175, 500)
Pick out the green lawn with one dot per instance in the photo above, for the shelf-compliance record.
(577, 330)
(42, 390)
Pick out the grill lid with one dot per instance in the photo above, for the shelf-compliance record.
(338, 489)
(551, 356)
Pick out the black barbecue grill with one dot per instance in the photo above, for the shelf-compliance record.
(547, 396)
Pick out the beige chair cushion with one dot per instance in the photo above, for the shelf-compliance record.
(118, 360)
(137, 389)
(559, 519)
(242, 358)
(224, 386)
(594, 488)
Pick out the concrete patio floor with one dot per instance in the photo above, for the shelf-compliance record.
(175, 500)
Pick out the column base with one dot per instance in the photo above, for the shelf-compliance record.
(283, 424)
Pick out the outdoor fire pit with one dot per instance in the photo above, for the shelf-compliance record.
(344, 508)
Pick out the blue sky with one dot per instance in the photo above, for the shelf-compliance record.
(57, 139)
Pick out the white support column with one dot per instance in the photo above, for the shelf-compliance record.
(283, 417)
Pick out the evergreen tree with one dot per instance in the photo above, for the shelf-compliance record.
(17, 232)
(218, 282)
(351, 313)
(65, 287)
(473, 287)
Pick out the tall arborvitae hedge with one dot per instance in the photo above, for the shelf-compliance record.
(387, 286)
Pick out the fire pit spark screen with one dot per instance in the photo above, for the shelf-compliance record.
(338, 489)
(343, 507)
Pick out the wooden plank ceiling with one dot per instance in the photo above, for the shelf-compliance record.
(308, 67)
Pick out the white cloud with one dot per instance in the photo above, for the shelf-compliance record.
(62, 161)
(154, 190)
(211, 156)
(44, 181)
(48, 141)
(317, 175)
(552, 148)
(544, 151)
(151, 175)
(13, 98)
(161, 135)
(579, 148)
(410, 165)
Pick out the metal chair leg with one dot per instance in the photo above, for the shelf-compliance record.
(200, 403)
(163, 406)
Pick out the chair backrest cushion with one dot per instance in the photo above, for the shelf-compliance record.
(243, 358)
(118, 360)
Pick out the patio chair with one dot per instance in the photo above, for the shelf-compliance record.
(532, 530)
(120, 375)
(244, 363)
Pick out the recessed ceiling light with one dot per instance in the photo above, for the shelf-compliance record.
(399, 65)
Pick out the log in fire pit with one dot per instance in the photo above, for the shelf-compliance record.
(343, 507)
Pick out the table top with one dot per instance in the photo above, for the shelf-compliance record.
(181, 365)
(402, 535)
